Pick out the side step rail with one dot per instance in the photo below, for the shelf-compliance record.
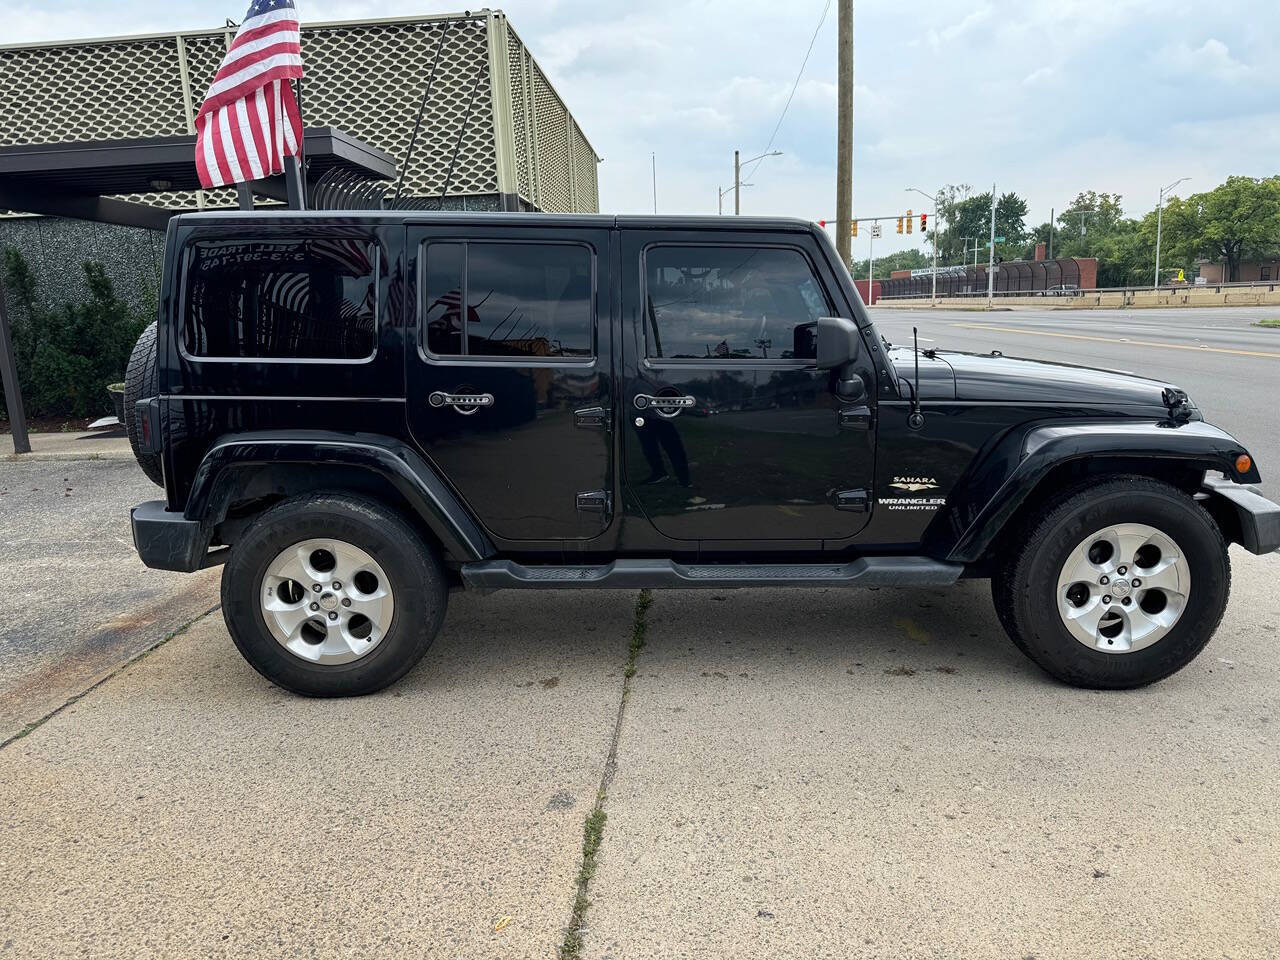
(664, 574)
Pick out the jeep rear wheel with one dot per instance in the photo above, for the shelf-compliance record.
(329, 595)
(1119, 586)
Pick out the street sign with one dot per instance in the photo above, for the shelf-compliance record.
(875, 231)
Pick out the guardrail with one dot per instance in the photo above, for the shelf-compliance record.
(1266, 286)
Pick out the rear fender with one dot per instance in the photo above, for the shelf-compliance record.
(219, 474)
(1151, 445)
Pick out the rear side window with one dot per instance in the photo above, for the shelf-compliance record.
(731, 303)
(522, 300)
(281, 299)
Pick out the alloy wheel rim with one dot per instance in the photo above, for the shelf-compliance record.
(326, 601)
(1123, 588)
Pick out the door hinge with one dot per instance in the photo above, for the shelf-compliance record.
(855, 501)
(591, 418)
(593, 501)
(855, 418)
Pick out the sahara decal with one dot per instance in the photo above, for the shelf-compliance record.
(914, 484)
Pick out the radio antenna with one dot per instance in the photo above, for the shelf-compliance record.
(916, 419)
(422, 108)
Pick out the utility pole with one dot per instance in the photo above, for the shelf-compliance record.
(844, 133)
(936, 198)
(1050, 257)
(737, 184)
(991, 257)
(1160, 225)
(653, 157)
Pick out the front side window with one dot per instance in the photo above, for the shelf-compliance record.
(281, 299)
(731, 303)
(521, 300)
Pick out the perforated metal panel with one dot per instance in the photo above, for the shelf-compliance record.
(551, 129)
(366, 78)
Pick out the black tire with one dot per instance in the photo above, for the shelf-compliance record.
(141, 382)
(413, 567)
(1025, 587)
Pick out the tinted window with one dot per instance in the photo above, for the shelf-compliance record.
(724, 303)
(305, 299)
(523, 300)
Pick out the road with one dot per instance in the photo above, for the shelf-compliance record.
(1230, 367)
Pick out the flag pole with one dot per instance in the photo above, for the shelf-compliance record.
(302, 150)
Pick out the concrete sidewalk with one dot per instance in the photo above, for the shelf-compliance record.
(831, 773)
(187, 808)
(84, 445)
(881, 774)
(79, 602)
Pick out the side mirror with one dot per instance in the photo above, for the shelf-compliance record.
(838, 343)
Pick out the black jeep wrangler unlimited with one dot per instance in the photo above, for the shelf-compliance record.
(357, 412)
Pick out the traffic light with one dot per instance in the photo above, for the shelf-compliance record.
(910, 220)
(899, 224)
(924, 222)
(853, 229)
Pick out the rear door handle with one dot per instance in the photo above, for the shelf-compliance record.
(464, 403)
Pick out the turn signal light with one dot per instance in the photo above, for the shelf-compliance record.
(1244, 463)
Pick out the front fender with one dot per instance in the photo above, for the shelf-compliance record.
(448, 519)
(1199, 445)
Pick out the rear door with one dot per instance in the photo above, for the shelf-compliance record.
(730, 432)
(508, 375)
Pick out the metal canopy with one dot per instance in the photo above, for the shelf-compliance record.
(81, 179)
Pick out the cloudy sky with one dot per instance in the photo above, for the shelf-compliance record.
(1045, 99)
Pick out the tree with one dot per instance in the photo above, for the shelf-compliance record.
(67, 355)
(901, 260)
(970, 216)
(1235, 221)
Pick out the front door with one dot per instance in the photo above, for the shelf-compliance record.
(508, 379)
(731, 433)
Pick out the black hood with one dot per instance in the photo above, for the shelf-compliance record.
(994, 377)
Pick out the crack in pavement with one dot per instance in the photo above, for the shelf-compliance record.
(593, 828)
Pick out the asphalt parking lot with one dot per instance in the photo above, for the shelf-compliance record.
(796, 773)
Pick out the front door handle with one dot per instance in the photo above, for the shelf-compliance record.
(464, 403)
(666, 406)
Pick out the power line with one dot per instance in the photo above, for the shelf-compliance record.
(795, 86)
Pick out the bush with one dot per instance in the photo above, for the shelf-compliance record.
(67, 355)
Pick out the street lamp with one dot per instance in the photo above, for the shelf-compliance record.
(727, 190)
(737, 175)
(1160, 225)
(934, 198)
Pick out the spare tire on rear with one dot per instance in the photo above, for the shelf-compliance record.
(141, 383)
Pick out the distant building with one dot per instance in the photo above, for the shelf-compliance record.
(1256, 271)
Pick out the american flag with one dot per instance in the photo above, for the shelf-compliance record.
(249, 121)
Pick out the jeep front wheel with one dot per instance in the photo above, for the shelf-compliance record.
(330, 596)
(1119, 586)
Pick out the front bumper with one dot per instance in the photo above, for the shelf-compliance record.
(1257, 519)
(169, 541)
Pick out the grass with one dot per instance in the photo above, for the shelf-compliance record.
(1267, 322)
(593, 828)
